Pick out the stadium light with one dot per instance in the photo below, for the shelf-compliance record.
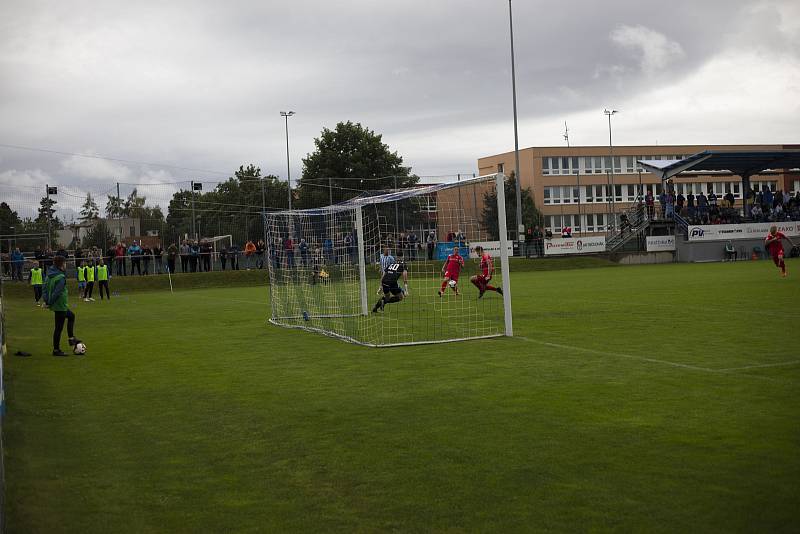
(517, 187)
(286, 115)
(608, 114)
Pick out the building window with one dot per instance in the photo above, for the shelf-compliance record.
(795, 187)
(547, 195)
(617, 192)
(501, 167)
(600, 221)
(617, 165)
(545, 165)
(576, 194)
(565, 196)
(631, 189)
(589, 191)
(575, 166)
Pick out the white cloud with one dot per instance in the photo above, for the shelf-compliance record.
(653, 49)
(25, 178)
(96, 169)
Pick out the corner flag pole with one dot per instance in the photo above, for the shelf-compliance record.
(169, 274)
(500, 184)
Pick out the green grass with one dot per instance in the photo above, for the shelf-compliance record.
(622, 404)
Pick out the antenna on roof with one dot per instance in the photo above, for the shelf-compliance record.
(566, 133)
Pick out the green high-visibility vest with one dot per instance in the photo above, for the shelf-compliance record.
(90, 273)
(36, 276)
(102, 273)
(81, 274)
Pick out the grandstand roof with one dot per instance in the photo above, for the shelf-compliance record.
(740, 162)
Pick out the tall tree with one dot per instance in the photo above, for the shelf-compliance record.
(530, 215)
(8, 219)
(47, 207)
(113, 207)
(134, 205)
(89, 210)
(346, 161)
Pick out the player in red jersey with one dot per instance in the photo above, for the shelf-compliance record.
(774, 244)
(450, 270)
(481, 281)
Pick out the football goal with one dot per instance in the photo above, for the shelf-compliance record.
(371, 270)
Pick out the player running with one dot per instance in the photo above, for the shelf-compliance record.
(481, 281)
(389, 284)
(450, 270)
(774, 245)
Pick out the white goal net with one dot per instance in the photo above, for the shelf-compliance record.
(338, 270)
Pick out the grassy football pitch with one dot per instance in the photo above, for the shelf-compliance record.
(652, 398)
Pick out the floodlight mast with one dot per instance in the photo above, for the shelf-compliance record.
(517, 187)
(286, 115)
(609, 113)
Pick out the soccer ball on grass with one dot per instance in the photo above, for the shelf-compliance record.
(80, 348)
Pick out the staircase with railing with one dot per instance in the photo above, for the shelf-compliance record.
(634, 221)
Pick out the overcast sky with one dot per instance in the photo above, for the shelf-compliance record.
(200, 84)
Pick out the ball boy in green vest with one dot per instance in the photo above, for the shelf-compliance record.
(102, 278)
(36, 282)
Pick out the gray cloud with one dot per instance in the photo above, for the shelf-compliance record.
(200, 84)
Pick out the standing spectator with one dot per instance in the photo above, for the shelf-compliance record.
(147, 255)
(348, 245)
(17, 261)
(690, 207)
(194, 256)
(327, 248)
(538, 238)
(249, 254)
(650, 202)
(135, 252)
(662, 202)
(119, 258)
(303, 246)
(288, 251)
(730, 199)
(413, 244)
(233, 256)
(89, 276)
(223, 257)
(172, 255)
(36, 282)
(679, 202)
(430, 243)
(528, 242)
(702, 206)
(712, 199)
(670, 205)
(261, 248)
(184, 253)
(102, 279)
(205, 252)
(566, 231)
(55, 296)
(157, 256)
(766, 200)
(80, 273)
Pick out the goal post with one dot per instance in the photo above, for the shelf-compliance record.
(325, 265)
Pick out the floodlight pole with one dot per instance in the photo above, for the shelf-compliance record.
(49, 223)
(517, 186)
(500, 181)
(194, 232)
(609, 113)
(286, 115)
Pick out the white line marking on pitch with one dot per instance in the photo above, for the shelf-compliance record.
(620, 355)
(759, 366)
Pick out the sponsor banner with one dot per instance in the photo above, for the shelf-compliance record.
(492, 247)
(660, 243)
(575, 245)
(717, 232)
(445, 248)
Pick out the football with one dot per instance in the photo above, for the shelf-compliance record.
(452, 283)
(80, 348)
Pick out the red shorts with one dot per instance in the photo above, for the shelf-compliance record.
(451, 276)
(482, 281)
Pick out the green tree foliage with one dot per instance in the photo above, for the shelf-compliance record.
(233, 207)
(114, 207)
(530, 215)
(351, 159)
(47, 206)
(89, 210)
(8, 219)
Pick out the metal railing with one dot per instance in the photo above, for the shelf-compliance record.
(634, 221)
